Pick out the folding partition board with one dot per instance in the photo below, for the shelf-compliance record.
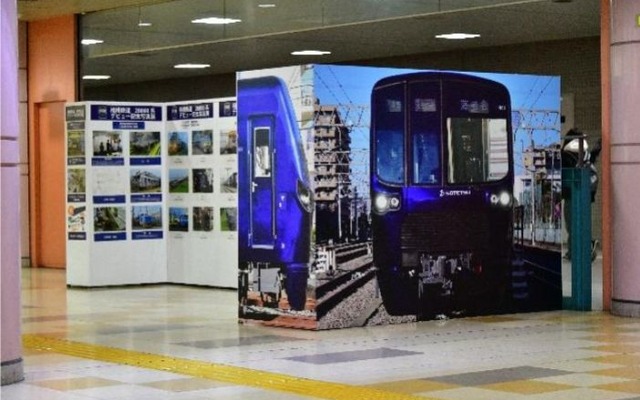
(202, 196)
(374, 196)
(115, 194)
(151, 193)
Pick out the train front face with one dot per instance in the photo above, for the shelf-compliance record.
(275, 200)
(441, 192)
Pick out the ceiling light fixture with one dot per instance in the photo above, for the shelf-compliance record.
(88, 42)
(266, 5)
(144, 23)
(458, 36)
(215, 21)
(191, 66)
(96, 77)
(310, 53)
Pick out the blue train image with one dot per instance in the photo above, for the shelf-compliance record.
(275, 197)
(441, 181)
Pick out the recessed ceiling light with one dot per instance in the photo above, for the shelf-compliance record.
(144, 23)
(266, 5)
(96, 77)
(88, 42)
(458, 36)
(191, 66)
(310, 53)
(215, 21)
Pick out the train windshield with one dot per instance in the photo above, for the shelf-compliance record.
(477, 149)
(389, 134)
(425, 132)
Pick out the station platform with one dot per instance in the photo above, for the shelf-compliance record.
(171, 342)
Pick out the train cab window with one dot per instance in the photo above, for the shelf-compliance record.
(477, 149)
(424, 123)
(426, 158)
(389, 125)
(262, 153)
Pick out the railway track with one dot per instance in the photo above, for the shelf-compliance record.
(353, 268)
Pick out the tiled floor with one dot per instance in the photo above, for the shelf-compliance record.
(176, 342)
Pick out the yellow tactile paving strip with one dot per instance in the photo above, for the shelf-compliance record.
(218, 372)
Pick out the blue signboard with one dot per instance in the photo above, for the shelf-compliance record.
(110, 236)
(190, 111)
(146, 198)
(145, 161)
(107, 161)
(126, 125)
(104, 112)
(114, 199)
(147, 235)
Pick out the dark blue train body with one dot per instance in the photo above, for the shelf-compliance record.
(275, 199)
(146, 220)
(441, 192)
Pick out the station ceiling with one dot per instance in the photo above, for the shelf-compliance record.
(269, 30)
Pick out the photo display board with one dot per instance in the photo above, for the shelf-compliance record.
(372, 196)
(130, 166)
(203, 185)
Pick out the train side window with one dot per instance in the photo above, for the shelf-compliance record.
(261, 153)
(477, 149)
(389, 122)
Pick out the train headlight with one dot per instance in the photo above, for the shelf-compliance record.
(304, 196)
(505, 198)
(384, 202)
(381, 203)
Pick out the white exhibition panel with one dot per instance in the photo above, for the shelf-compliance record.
(120, 228)
(202, 171)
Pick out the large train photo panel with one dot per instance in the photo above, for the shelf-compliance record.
(371, 196)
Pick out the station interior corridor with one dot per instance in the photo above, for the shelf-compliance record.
(171, 342)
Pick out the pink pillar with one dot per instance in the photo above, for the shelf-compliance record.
(625, 157)
(11, 348)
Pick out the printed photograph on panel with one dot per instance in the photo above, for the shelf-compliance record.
(75, 144)
(109, 219)
(228, 219)
(433, 195)
(146, 217)
(76, 180)
(203, 219)
(76, 218)
(107, 143)
(178, 219)
(144, 144)
(229, 180)
(275, 196)
(228, 142)
(146, 180)
(202, 142)
(178, 180)
(203, 180)
(178, 144)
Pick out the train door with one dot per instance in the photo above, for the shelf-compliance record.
(262, 229)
